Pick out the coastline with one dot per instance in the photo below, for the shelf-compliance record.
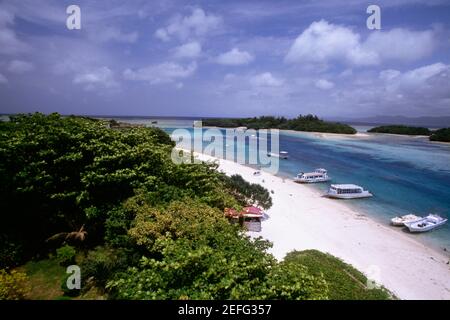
(302, 219)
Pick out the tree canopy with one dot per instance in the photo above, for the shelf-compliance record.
(309, 123)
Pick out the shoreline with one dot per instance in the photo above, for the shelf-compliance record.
(302, 219)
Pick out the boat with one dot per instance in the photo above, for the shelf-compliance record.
(319, 175)
(400, 221)
(347, 191)
(281, 155)
(430, 222)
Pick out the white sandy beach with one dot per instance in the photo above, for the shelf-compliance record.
(301, 219)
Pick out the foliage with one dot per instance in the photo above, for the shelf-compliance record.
(290, 280)
(62, 173)
(160, 226)
(308, 123)
(441, 135)
(399, 129)
(188, 219)
(44, 279)
(194, 253)
(13, 285)
(100, 264)
(248, 193)
(66, 255)
(344, 281)
(10, 252)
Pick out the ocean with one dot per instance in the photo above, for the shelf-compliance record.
(406, 174)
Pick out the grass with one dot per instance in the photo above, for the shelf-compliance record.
(345, 282)
(44, 279)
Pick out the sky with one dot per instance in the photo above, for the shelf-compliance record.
(225, 58)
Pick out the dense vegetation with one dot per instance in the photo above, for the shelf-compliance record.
(138, 225)
(441, 135)
(307, 123)
(399, 129)
(345, 282)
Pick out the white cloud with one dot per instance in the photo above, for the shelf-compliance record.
(100, 77)
(324, 84)
(162, 34)
(3, 79)
(9, 42)
(114, 34)
(432, 78)
(189, 50)
(166, 72)
(235, 57)
(198, 24)
(323, 42)
(400, 44)
(20, 67)
(389, 74)
(266, 79)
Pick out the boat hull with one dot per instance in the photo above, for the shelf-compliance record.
(311, 181)
(349, 196)
(414, 228)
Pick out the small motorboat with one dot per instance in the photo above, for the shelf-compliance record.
(400, 221)
(281, 155)
(430, 222)
(319, 175)
(347, 191)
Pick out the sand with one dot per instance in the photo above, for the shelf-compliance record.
(301, 218)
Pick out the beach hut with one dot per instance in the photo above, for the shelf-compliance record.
(249, 217)
(252, 218)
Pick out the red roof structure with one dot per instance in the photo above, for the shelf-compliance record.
(252, 212)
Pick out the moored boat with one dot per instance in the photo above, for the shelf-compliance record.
(430, 222)
(347, 191)
(319, 175)
(400, 221)
(281, 155)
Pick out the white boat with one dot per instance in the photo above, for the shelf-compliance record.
(347, 191)
(319, 175)
(281, 155)
(430, 222)
(400, 221)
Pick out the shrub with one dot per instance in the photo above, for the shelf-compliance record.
(66, 255)
(13, 285)
(100, 264)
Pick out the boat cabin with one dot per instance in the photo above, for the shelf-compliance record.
(346, 188)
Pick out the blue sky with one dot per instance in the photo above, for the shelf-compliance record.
(225, 58)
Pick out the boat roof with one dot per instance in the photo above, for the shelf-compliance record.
(346, 186)
(311, 173)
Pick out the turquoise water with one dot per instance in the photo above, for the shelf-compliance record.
(405, 174)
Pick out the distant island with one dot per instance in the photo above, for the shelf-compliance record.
(308, 123)
(442, 135)
(400, 129)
